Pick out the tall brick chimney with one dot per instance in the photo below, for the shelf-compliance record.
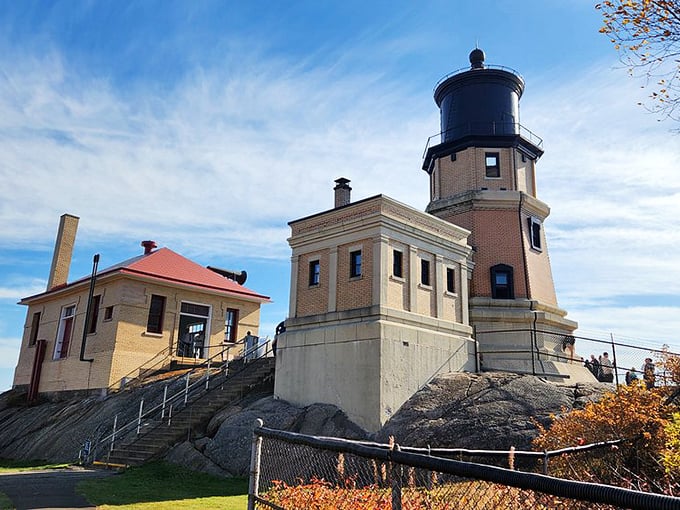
(342, 192)
(63, 251)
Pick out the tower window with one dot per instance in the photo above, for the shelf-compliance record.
(425, 272)
(502, 286)
(535, 233)
(314, 272)
(355, 264)
(493, 168)
(450, 280)
(397, 264)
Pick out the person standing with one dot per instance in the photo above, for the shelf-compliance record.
(648, 373)
(606, 368)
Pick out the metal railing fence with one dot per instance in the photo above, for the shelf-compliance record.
(179, 392)
(625, 358)
(291, 471)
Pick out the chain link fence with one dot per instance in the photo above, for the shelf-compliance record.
(294, 471)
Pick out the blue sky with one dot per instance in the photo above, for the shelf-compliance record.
(208, 125)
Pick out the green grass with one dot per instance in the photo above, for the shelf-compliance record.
(27, 465)
(5, 502)
(159, 485)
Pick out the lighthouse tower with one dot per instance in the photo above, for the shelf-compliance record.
(482, 170)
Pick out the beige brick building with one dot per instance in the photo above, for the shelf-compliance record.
(378, 307)
(155, 307)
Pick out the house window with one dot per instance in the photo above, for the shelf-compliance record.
(35, 326)
(425, 272)
(94, 314)
(355, 264)
(450, 280)
(314, 272)
(108, 313)
(493, 169)
(535, 233)
(230, 325)
(154, 323)
(65, 331)
(502, 286)
(397, 264)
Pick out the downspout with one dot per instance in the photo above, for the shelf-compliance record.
(88, 313)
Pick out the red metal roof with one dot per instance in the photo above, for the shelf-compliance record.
(166, 265)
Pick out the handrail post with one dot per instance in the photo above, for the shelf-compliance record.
(395, 475)
(165, 398)
(186, 390)
(139, 418)
(113, 434)
(255, 455)
(170, 415)
(207, 376)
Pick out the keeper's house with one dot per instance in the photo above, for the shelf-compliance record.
(154, 308)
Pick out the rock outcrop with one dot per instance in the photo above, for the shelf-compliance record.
(459, 410)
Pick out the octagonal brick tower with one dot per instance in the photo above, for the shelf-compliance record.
(482, 177)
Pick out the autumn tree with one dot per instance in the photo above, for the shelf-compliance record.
(647, 34)
(647, 460)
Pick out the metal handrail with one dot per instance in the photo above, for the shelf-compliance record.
(188, 390)
(468, 128)
(486, 66)
(120, 383)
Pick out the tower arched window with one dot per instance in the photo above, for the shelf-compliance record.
(502, 283)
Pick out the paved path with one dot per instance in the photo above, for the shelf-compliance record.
(53, 488)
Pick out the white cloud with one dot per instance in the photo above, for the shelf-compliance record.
(9, 353)
(15, 293)
(226, 157)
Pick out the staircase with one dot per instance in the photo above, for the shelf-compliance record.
(157, 435)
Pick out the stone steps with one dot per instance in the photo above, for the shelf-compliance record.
(157, 436)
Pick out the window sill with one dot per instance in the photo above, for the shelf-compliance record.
(399, 279)
(154, 335)
(450, 294)
(425, 287)
(354, 278)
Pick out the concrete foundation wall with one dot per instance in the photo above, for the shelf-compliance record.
(340, 361)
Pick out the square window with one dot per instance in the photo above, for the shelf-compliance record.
(492, 163)
(397, 264)
(108, 313)
(425, 272)
(450, 280)
(314, 272)
(355, 264)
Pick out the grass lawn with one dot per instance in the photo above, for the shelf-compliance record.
(8, 465)
(159, 485)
